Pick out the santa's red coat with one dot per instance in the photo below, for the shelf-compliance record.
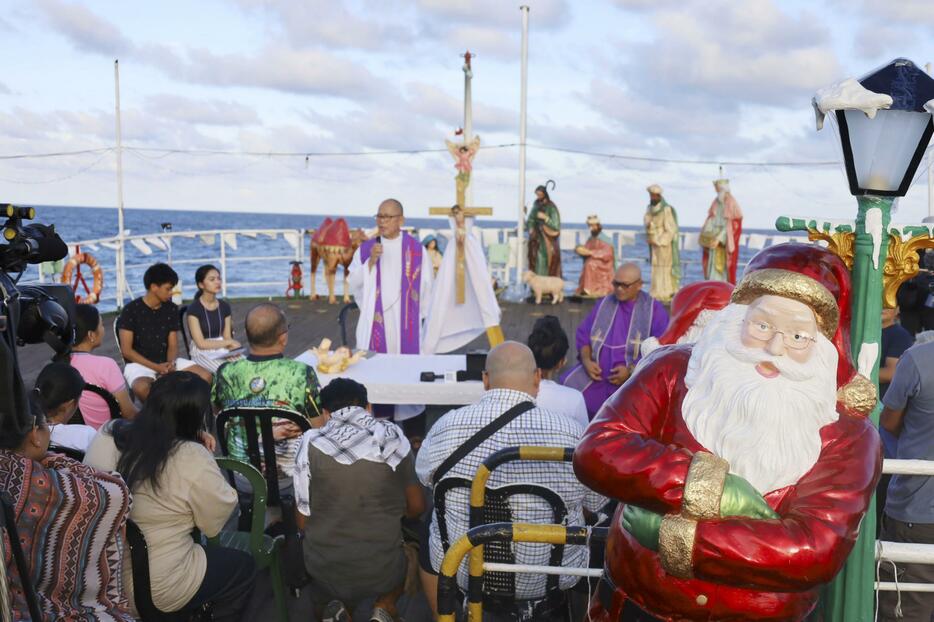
(638, 450)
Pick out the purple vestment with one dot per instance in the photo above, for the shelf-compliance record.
(409, 319)
(614, 334)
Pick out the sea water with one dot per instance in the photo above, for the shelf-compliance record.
(74, 224)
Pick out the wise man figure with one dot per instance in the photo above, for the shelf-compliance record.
(599, 261)
(544, 227)
(391, 277)
(745, 462)
(661, 230)
(451, 325)
(609, 340)
(719, 236)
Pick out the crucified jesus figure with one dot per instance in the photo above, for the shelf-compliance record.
(463, 161)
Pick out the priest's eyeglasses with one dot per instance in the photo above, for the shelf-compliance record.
(386, 216)
(763, 331)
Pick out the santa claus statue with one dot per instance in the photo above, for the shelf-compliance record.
(743, 472)
(692, 308)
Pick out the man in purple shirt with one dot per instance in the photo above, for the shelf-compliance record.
(608, 341)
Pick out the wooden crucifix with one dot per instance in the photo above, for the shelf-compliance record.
(460, 231)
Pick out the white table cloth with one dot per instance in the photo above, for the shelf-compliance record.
(394, 378)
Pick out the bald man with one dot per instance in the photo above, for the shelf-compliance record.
(390, 278)
(266, 379)
(609, 340)
(511, 380)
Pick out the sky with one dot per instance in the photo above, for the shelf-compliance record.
(340, 80)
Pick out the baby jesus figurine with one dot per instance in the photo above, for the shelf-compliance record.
(336, 361)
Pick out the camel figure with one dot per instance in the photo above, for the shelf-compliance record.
(334, 242)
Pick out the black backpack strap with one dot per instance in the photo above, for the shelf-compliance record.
(482, 434)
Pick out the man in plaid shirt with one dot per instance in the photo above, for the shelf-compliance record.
(511, 377)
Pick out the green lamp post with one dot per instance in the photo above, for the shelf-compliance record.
(883, 143)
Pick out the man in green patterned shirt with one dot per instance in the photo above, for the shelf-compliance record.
(266, 379)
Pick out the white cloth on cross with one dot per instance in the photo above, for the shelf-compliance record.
(450, 325)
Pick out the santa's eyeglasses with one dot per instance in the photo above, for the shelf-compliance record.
(763, 331)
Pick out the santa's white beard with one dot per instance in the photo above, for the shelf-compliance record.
(768, 429)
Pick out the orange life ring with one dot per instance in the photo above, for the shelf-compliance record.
(94, 292)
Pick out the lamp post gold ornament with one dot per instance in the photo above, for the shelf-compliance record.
(885, 124)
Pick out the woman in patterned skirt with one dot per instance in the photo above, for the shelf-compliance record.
(70, 519)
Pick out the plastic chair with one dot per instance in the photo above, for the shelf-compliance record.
(8, 523)
(264, 548)
(182, 312)
(499, 588)
(261, 453)
(142, 592)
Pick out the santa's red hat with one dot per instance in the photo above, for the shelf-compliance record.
(818, 278)
(688, 303)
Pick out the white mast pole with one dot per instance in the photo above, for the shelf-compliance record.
(930, 70)
(523, 100)
(468, 118)
(121, 263)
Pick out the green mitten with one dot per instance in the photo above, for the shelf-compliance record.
(740, 498)
(643, 525)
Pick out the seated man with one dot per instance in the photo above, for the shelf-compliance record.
(355, 480)
(265, 379)
(609, 340)
(511, 380)
(147, 330)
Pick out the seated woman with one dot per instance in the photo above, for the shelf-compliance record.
(549, 344)
(102, 371)
(58, 388)
(177, 487)
(71, 521)
(208, 322)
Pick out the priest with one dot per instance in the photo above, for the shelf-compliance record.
(391, 277)
(720, 234)
(609, 340)
(742, 470)
(599, 261)
(451, 325)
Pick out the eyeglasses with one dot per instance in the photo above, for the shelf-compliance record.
(386, 216)
(625, 285)
(763, 331)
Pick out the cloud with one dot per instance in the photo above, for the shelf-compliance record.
(5, 90)
(200, 112)
(306, 72)
(309, 23)
(83, 28)
(548, 14)
(429, 101)
(747, 51)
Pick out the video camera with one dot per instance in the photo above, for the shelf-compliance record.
(28, 313)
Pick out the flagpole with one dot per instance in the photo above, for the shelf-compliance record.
(523, 105)
(121, 263)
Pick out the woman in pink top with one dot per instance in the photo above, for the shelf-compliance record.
(98, 370)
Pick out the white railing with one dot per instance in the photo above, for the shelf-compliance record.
(224, 241)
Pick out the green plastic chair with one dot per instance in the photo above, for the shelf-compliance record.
(498, 254)
(264, 549)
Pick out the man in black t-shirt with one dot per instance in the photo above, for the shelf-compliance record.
(147, 330)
